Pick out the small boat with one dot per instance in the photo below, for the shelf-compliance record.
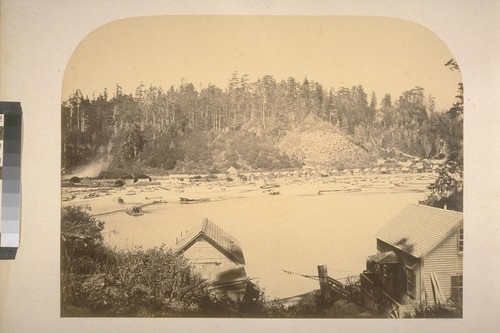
(134, 211)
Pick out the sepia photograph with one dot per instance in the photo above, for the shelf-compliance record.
(262, 167)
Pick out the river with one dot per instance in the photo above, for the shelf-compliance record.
(294, 231)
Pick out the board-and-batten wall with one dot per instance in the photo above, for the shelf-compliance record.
(445, 261)
(206, 257)
(212, 263)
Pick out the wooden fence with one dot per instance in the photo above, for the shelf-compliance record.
(369, 293)
(375, 297)
(330, 285)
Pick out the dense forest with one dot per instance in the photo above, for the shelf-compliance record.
(184, 129)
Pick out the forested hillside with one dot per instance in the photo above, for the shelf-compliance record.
(251, 126)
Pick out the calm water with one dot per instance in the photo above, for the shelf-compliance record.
(294, 231)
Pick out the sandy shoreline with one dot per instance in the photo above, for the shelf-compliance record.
(106, 200)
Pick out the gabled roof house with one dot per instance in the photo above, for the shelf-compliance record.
(219, 257)
(419, 261)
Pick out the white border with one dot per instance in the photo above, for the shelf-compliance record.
(38, 37)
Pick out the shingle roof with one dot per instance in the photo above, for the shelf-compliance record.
(417, 229)
(388, 257)
(219, 238)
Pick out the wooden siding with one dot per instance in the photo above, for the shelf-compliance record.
(216, 267)
(220, 239)
(404, 298)
(207, 258)
(445, 261)
(417, 229)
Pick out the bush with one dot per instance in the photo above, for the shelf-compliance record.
(97, 280)
(447, 189)
(75, 179)
(437, 311)
(83, 255)
(119, 183)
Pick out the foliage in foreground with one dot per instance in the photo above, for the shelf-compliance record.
(99, 281)
(438, 311)
(102, 281)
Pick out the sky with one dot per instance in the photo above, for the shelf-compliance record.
(384, 55)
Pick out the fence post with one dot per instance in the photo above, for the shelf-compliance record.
(323, 282)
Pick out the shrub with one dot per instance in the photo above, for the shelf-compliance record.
(75, 179)
(97, 280)
(119, 183)
(437, 311)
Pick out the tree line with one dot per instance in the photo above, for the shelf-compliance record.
(448, 189)
(157, 128)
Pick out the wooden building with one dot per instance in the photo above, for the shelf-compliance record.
(232, 172)
(419, 261)
(219, 257)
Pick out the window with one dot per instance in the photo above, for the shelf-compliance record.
(385, 271)
(457, 288)
(460, 240)
(411, 281)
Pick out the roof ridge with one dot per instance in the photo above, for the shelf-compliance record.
(440, 209)
(222, 238)
(417, 229)
(205, 222)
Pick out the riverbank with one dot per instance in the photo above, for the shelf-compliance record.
(110, 199)
(295, 230)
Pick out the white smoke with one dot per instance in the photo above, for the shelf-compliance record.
(93, 169)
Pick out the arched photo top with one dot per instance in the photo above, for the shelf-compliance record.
(384, 55)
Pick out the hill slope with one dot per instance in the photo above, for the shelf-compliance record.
(319, 144)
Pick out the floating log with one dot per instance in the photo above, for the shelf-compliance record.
(354, 189)
(268, 186)
(190, 201)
